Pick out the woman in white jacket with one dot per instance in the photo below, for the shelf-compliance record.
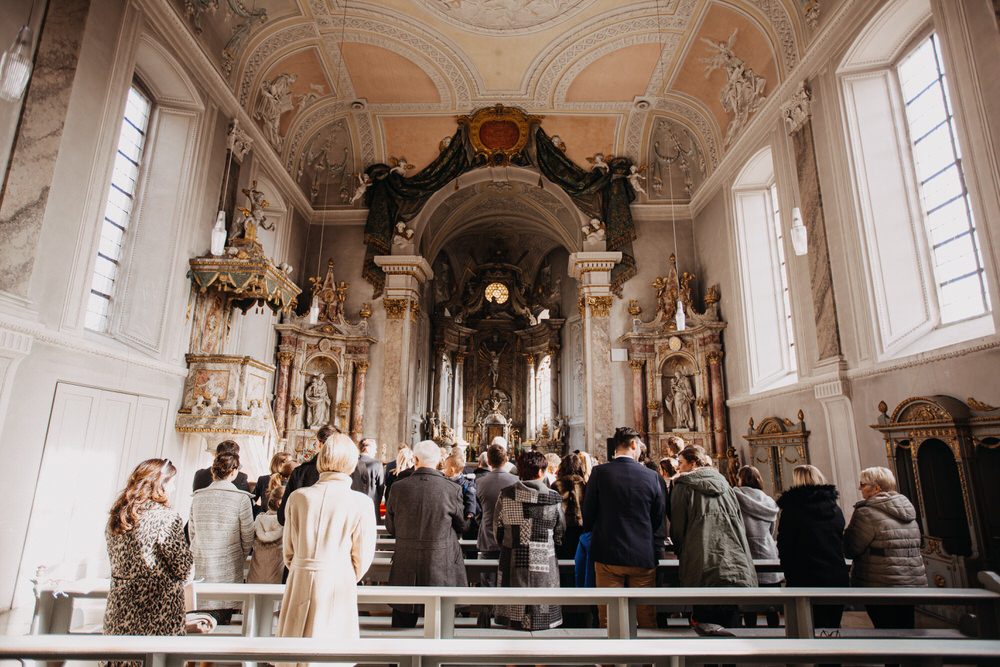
(760, 513)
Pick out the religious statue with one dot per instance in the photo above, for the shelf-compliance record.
(275, 99)
(364, 181)
(598, 163)
(635, 179)
(680, 402)
(744, 90)
(317, 402)
(593, 230)
(251, 216)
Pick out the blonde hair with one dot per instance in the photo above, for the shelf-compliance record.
(588, 464)
(807, 475)
(553, 461)
(338, 454)
(882, 477)
(278, 460)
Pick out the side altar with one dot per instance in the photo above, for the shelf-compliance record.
(322, 367)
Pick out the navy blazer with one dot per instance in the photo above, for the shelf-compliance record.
(623, 506)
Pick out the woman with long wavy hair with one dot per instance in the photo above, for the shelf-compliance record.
(149, 554)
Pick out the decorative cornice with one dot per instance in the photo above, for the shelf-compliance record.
(798, 110)
(395, 309)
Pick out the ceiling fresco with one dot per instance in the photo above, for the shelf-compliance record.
(337, 85)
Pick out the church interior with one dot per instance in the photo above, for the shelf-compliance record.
(767, 226)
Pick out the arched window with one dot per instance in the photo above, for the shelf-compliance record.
(770, 337)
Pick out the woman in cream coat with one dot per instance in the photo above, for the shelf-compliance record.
(329, 545)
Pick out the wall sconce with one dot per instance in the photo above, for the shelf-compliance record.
(15, 66)
(800, 239)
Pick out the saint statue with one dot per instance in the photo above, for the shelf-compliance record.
(317, 403)
(682, 399)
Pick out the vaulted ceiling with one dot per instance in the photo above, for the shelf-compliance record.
(337, 85)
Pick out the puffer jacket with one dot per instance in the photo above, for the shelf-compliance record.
(760, 513)
(708, 533)
(883, 538)
(811, 537)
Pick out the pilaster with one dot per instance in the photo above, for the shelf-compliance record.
(403, 276)
(592, 271)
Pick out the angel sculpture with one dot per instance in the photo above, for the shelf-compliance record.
(635, 179)
(402, 235)
(744, 90)
(598, 163)
(399, 166)
(364, 181)
(444, 144)
(593, 230)
(558, 142)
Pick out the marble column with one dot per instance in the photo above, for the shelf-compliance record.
(458, 407)
(403, 276)
(719, 436)
(532, 412)
(358, 402)
(799, 124)
(33, 159)
(638, 414)
(592, 271)
(285, 356)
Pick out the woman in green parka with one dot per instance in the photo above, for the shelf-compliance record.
(708, 534)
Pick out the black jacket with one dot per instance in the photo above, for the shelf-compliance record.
(623, 505)
(303, 476)
(811, 537)
(203, 477)
(368, 478)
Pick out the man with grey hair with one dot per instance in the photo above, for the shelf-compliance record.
(368, 476)
(426, 516)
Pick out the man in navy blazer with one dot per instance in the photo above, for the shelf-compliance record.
(623, 505)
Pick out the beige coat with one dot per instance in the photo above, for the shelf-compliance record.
(329, 545)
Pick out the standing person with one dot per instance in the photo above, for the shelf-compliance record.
(454, 469)
(404, 462)
(709, 538)
(203, 477)
(623, 506)
(570, 486)
(884, 540)
(306, 474)
(262, 489)
(222, 532)
(149, 554)
(267, 561)
(502, 442)
(529, 523)
(426, 516)
(368, 477)
(488, 488)
(329, 545)
(760, 513)
(811, 539)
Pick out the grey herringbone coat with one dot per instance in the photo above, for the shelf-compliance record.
(222, 532)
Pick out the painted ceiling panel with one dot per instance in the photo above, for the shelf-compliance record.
(416, 137)
(619, 76)
(583, 135)
(384, 77)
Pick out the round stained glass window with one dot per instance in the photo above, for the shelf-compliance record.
(496, 292)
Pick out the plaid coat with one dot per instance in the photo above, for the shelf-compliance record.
(529, 521)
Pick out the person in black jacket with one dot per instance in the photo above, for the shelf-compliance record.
(306, 474)
(811, 539)
(368, 477)
(203, 477)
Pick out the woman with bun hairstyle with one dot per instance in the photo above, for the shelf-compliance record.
(222, 532)
(149, 554)
(811, 539)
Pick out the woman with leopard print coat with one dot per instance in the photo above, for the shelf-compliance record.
(150, 557)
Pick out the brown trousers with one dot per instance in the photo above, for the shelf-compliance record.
(626, 576)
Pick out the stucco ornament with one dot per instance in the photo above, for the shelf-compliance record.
(275, 99)
(744, 89)
(508, 16)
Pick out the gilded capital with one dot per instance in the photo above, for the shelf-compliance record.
(285, 358)
(362, 366)
(529, 359)
(414, 310)
(714, 357)
(600, 306)
(636, 364)
(394, 308)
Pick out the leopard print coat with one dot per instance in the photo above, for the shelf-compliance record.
(149, 565)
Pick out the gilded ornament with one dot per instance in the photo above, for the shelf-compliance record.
(414, 311)
(499, 133)
(366, 310)
(285, 358)
(600, 306)
(714, 358)
(636, 364)
(362, 366)
(980, 406)
(633, 308)
(394, 308)
(939, 581)
(675, 343)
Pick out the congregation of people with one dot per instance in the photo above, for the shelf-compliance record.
(312, 523)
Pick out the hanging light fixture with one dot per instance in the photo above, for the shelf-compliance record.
(680, 320)
(15, 63)
(219, 231)
(800, 238)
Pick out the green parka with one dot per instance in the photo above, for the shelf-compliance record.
(707, 530)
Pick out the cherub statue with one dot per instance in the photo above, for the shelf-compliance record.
(402, 235)
(364, 181)
(593, 230)
(635, 178)
(598, 163)
(254, 214)
(558, 142)
(444, 144)
(400, 166)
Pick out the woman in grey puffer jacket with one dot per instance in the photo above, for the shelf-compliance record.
(884, 540)
(760, 513)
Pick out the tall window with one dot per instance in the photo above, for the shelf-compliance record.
(951, 231)
(118, 210)
(764, 287)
